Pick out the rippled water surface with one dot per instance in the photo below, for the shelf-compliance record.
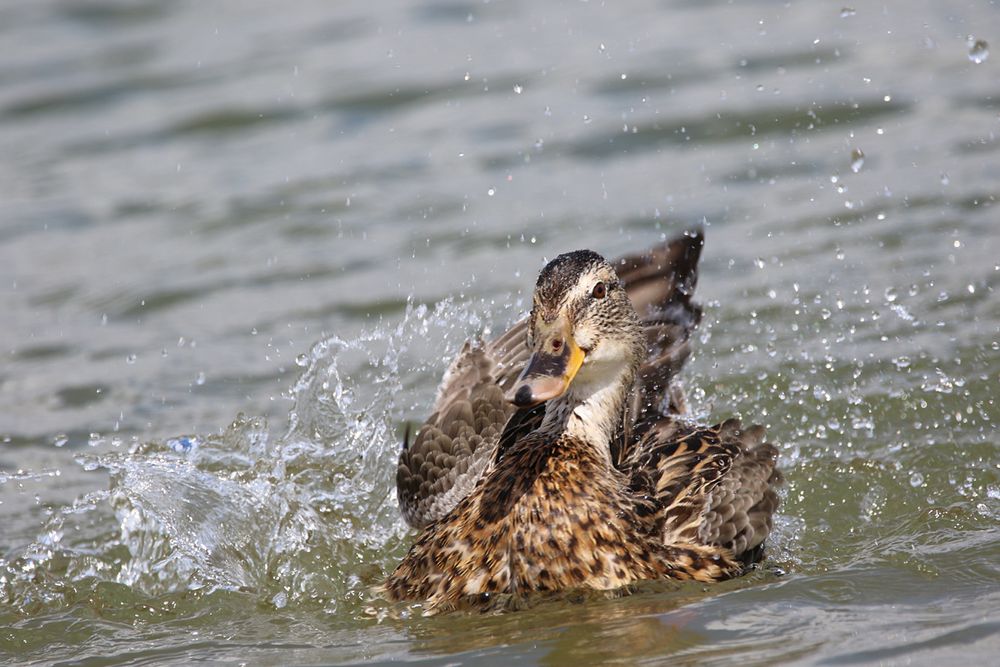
(240, 242)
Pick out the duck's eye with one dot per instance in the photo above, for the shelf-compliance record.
(600, 291)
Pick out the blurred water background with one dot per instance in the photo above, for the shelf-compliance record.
(241, 240)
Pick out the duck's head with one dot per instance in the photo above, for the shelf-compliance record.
(582, 329)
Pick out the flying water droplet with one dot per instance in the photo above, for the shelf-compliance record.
(916, 480)
(302, 360)
(979, 50)
(130, 359)
(847, 12)
(857, 160)
(518, 89)
(200, 380)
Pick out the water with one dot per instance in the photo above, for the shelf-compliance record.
(241, 242)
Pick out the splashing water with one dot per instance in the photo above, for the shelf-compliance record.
(306, 518)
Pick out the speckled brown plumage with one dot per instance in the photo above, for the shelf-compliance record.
(599, 487)
(453, 447)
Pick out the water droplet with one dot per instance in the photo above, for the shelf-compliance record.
(890, 294)
(130, 359)
(60, 440)
(857, 160)
(916, 480)
(587, 119)
(847, 12)
(491, 192)
(253, 331)
(200, 380)
(518, 89)
(759, 262)
(945, 180)
(302, 360)
(979, 50)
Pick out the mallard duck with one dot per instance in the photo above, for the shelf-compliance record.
(576, 467)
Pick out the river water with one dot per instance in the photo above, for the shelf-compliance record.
(240, 242)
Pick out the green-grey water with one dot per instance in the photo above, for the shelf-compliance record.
(240, 242)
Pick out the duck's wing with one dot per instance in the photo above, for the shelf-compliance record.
(661, 284)
(707, 486)
(457, 442)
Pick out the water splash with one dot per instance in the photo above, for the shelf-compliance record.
(309, 517)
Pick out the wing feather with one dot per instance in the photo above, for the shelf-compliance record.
(712, 486)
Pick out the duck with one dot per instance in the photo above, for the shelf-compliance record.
(561, 454)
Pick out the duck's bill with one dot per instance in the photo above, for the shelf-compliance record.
(547, 374)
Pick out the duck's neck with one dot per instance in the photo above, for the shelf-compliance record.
(591, 410)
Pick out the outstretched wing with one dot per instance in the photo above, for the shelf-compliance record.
(460, 438)
(456, 443)
(660, 283)
(711, 486)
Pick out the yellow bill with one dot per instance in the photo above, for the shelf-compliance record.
(548, 373)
